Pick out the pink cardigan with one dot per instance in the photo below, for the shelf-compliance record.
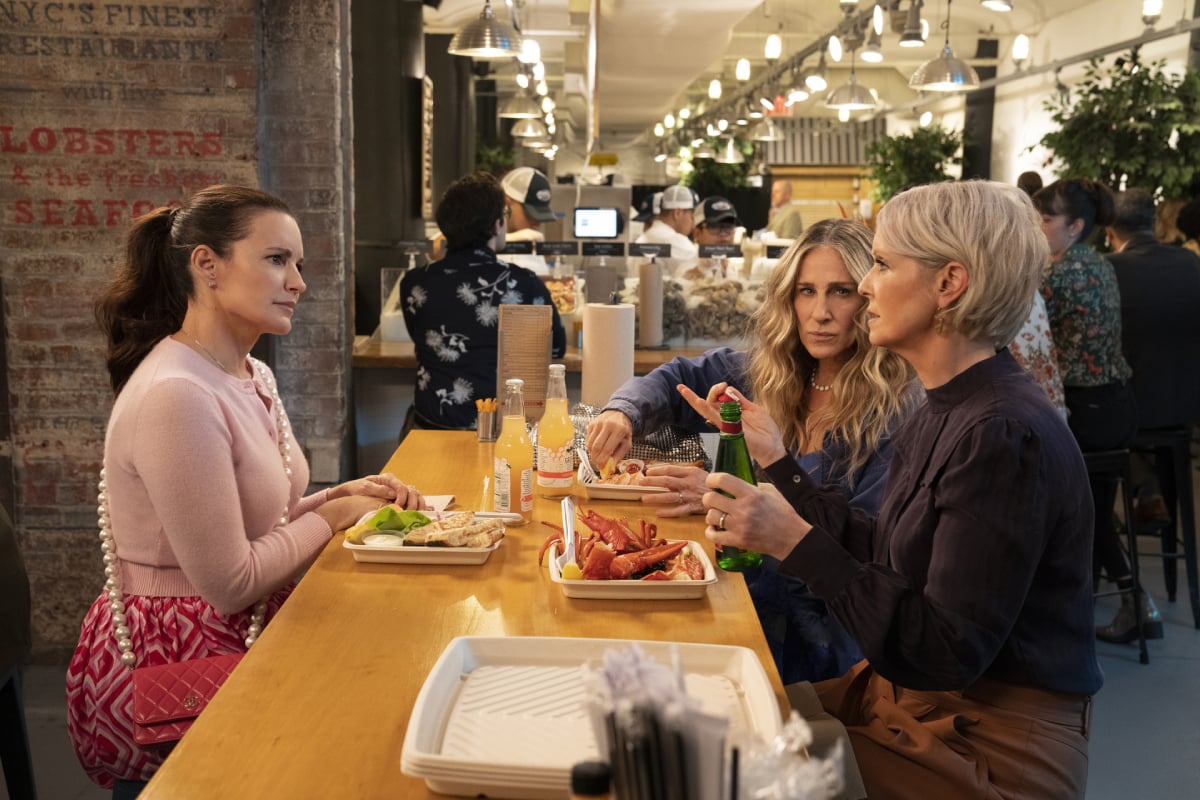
(196, 485)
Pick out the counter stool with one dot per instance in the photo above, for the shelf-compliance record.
(1114, 464)
(1171, 448)
(15, 755)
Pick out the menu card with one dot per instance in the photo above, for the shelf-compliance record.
(523, 351)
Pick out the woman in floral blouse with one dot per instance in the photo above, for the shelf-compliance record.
(452, 306)
(1084, 305)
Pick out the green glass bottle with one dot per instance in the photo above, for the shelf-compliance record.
(733, 457)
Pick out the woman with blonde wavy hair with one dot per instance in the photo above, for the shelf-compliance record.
(834, 398)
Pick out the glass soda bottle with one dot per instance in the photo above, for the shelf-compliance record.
(733, 457)
(556, 439)
(513, 457)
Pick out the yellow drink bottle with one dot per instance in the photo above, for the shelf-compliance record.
(513, 457)
(556, 439)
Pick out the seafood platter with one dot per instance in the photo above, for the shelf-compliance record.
(618, 561)
(617, 480)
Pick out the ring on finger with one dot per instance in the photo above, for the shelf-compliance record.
(680, 494)
(721, 521)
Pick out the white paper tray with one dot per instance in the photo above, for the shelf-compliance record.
(607, 491)
(420, 555)
(635, 590)
(506, 716)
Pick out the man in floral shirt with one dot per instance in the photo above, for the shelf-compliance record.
(452, 306)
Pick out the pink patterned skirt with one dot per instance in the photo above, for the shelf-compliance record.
(99, 686)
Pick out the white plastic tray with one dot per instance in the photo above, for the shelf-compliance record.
(613, 491)
(635, 590)
(420, 555)
(506, 716)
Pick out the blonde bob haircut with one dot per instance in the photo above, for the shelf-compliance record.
(990, 228)
(872, 389)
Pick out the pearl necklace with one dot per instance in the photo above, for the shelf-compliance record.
(108, 545)
(820, 387)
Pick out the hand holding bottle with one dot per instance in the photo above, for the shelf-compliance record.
(762, 434)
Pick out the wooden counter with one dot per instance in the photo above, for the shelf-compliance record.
(370, 352)
(320, 705)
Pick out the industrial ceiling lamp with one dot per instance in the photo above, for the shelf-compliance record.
(998, 5)
(704, 150)
(729, 153)
(529, 128)
(486, 38)
(851, 95)
(946, 73)
(765, 131)
(1020, 50)
(520, 106)
(912, 36)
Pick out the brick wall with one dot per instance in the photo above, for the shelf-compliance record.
(107, 110)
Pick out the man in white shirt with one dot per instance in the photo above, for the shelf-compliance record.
(527, 197)
(672, 226)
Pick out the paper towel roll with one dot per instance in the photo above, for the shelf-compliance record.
(607, 350)
(650, 304)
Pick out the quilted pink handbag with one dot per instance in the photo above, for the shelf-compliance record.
(168, 698)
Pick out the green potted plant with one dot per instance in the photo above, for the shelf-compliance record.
(923, 155)
(1129, 125)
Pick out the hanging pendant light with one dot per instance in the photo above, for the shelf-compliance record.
(704, 150)
(529, 128)
(851, 95)
(729, 153)
(486, 38)
(946, 73)
(520, 106)
(765, 131)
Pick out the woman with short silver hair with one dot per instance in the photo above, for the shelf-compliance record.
(970, 593)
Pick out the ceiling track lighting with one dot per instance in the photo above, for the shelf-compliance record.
(714, 89)
(945, 73)
(486, 38)
(1151, 12)
(1020, 50)
(815, 80)
(742, 70)
(873, 52)
(912, 36)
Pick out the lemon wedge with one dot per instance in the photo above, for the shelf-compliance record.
(572, 572)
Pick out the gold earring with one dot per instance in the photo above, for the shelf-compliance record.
(212, 284)
(939, 322)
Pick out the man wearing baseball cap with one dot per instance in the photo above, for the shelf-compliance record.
(527, 195)
(672, 226)
(716, 223)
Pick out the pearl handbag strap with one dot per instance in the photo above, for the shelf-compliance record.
(108, 545)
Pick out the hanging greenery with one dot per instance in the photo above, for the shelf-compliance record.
(493, 157)
(1129, 125)
(923, 155)
(710, 177)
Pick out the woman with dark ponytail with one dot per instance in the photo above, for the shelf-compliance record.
(1083, 301)
(202, 516)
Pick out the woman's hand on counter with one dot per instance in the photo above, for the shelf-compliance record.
(385, 488)
(684, 485)
(609, 435)
(762, 434)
